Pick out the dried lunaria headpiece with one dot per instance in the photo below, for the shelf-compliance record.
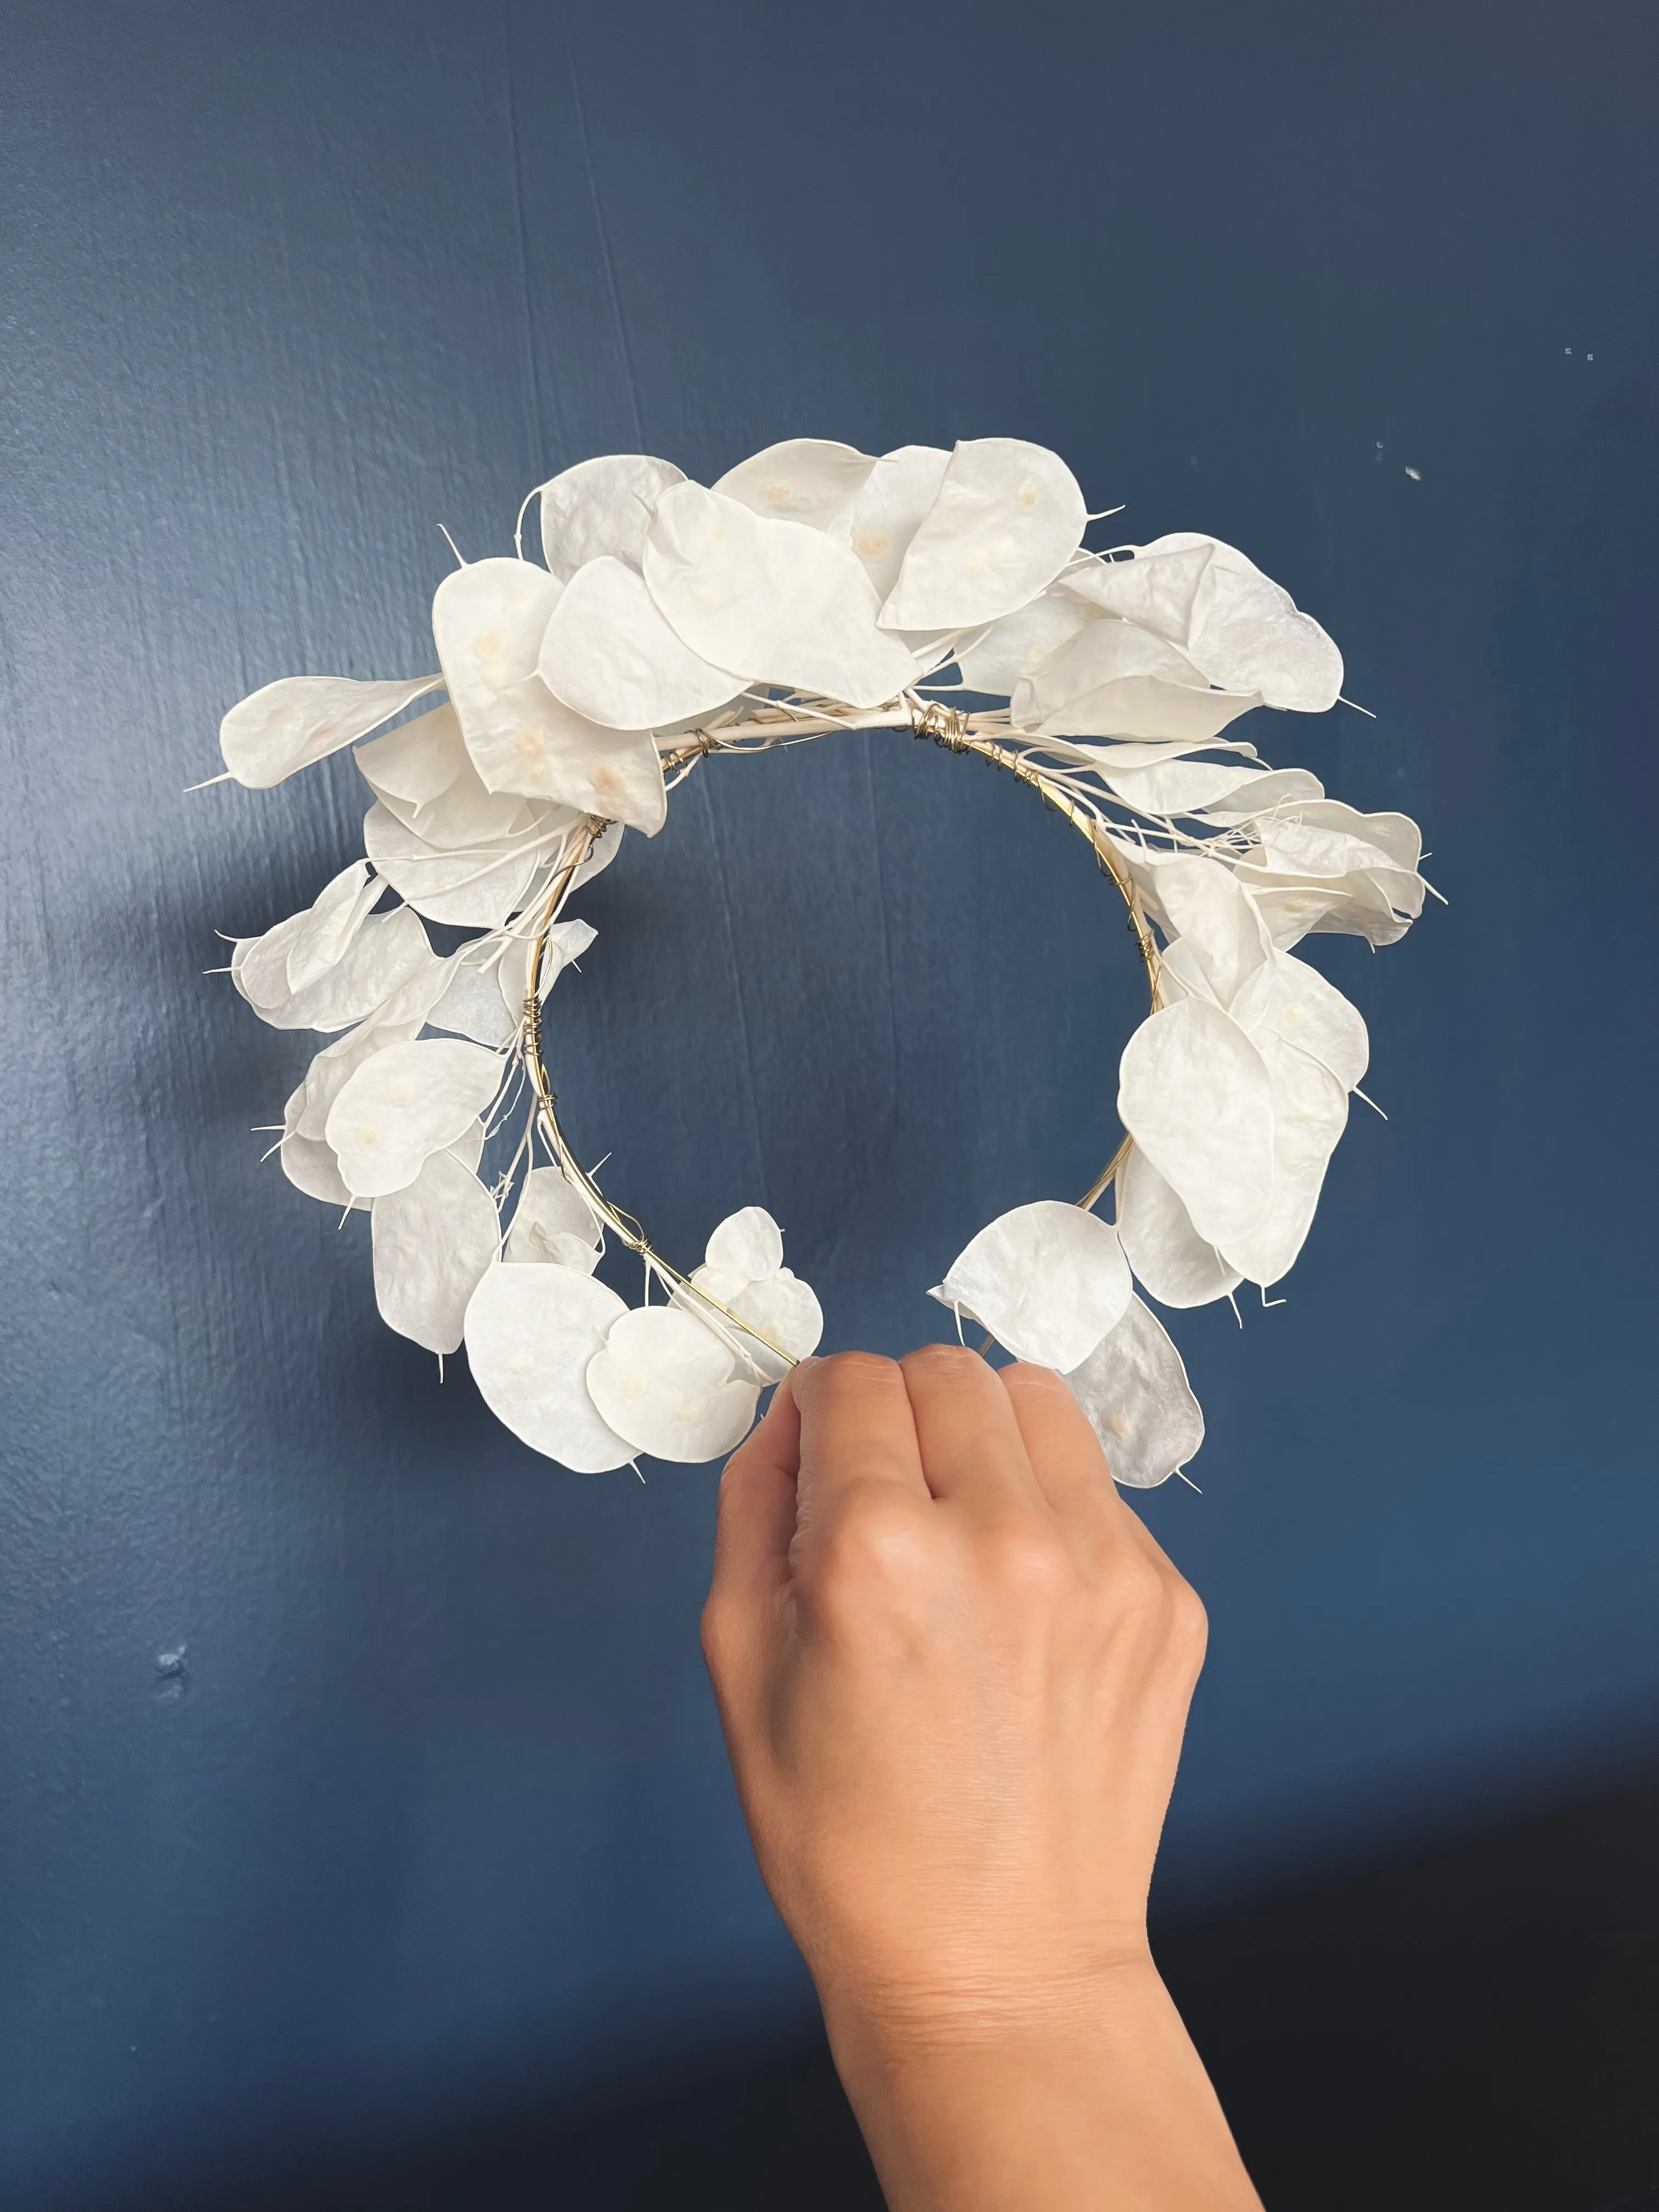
(812, 590)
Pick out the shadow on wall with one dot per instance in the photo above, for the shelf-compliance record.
(1476, 2030)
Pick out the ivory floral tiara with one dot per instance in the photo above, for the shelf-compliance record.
(816, 589)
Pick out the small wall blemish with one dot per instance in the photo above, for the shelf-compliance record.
(172, 1673)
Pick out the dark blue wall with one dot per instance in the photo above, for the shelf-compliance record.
(430, 1798)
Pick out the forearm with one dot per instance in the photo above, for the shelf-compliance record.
(1092, 2101)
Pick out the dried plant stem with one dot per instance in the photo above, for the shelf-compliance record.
(730, 1327)
(986, 737)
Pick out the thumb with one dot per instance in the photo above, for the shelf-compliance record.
(756, 1521)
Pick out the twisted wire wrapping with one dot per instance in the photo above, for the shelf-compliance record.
(929, 719)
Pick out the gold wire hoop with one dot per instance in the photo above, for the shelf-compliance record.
(929, 719)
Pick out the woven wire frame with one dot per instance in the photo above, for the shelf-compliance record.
(929, 719)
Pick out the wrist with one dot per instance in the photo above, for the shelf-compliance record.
(961, 1994)
(1064, 2092)
(971, 2006)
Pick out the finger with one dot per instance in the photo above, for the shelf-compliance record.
(855, 1429)
(756, 1519)
(1066, 1459)
(971, 1447)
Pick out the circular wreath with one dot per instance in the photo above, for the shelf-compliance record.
(812, 589)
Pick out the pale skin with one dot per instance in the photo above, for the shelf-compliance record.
(953, 1670)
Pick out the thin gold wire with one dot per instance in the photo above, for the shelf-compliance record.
(928, 718)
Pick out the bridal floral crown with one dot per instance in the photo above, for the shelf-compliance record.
(815, 589)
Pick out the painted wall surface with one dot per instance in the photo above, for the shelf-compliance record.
(353, 1757)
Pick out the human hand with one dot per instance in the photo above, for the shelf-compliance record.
(953, 1670)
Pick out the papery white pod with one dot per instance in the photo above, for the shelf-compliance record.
(748, 1244)
(566, 941)
(1144, 865)
(1167, 1255)
(1310, 1111)
(1292, 911)
(787, 1312)
(1360, 871)
(287, 726)
(1210, 911)
(602, 506)
(1113, 680)
(336, 913)
(396, 1020)
(1111, 757)
(1155, 591)
(1180, 975)
(774, 602)
(1133, 1387)
(405, 1102)
(1287, 999)
(609, 652)
(890, 508)
(410, 767)
(388, 951)
(1326, 839)
(1193, 1093)
(783, 1308)
(1394, 834)
(1235, 623)
(530, 1335)
(468, 1147)
(309, 1164)
(553, 1223)
(1008, 518)
(260, 965)
(333, 1068)
(563, 1251)
(1047, 1280)
(810, 480)
(742, 1270)
(477, 888)
(666, 1383)
(464, 813)
(472, 1005)
(1242, 788)
(1000, 657)
(1269, 791)
(487, 620)
(311, 1167)
(1246, 633)
(1376, 905)
(432, 1241)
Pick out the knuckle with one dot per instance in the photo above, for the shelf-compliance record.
(848, 1374)
(942, 1359)
(1163, 1609)
(1140, 1591)
(1037, 1382)
(714, 1633)
(1189, 1624)
(720, 1622)
(878, 1542)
